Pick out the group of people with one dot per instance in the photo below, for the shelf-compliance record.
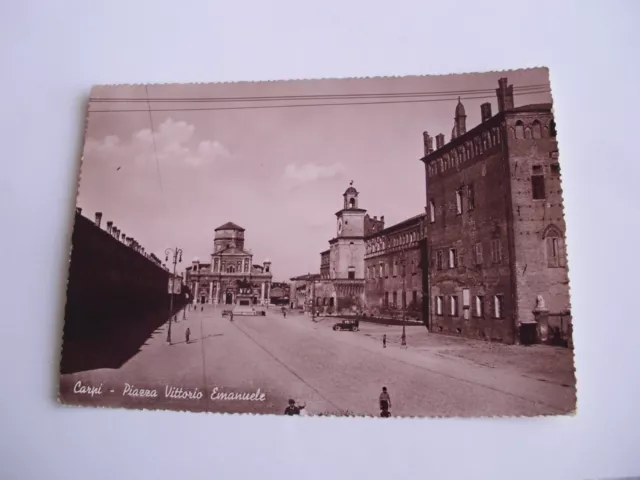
(384, 401)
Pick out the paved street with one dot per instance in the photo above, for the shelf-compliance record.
(332, 372)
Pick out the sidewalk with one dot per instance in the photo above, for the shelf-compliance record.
(540, 362)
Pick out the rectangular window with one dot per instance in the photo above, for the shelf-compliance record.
(395, 268)
(414, 299)
(496, 250)
(459, 202)
(537, 183)
(466, 298)
(439, 302)
(498, 306)
(478, 253)
(453, 306)
(381, 270)
(352, 273)
(466, 303)
(439, 260)
(453, 258)
(471, 198)
(413, 266)
(404, 299)
(386, 299)
(395, 299)
(432, 211)
(478, 306)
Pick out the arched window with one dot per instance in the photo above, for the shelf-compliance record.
(527, 133)
(519, 130)
(352, 203)
(536, 129)
(552, 128)
(554, 247)
(231, 269)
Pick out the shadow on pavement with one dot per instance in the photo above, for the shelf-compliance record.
(108, 341)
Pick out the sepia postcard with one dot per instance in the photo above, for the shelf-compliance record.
(381, 247)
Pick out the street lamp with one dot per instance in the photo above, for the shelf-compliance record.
(404, 300)
(177, 257)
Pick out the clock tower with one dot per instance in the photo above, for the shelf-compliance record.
(348, 247)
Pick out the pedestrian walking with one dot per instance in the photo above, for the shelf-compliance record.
(293, 409)
(284, 312)
(231, 315)
(385, 400)
(384, 341)
(187, 334)
(202, 308)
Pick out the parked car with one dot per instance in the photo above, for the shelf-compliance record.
(352, 325)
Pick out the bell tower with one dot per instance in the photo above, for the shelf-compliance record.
(347, 248)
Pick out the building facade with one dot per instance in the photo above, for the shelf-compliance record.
(393, 266)
(218, 282)
(362, 270)
(495, 225)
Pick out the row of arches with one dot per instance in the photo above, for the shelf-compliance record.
(535, 130)
(382, 243)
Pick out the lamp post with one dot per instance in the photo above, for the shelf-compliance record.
(403, 340)
(177, 257)
(313, 298)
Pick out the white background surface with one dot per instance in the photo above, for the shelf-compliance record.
(52, 52)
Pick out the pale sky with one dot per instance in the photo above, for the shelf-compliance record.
(278, 172)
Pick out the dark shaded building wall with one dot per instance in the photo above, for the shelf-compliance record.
(482, 226)
(109, 281)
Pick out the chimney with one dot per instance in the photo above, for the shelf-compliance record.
(78, 210)
(428, 143)
(98, 219)
(115, 231)
(375, 217)
(505, 95)
(109, 226)
(485, 111)
(382, 219)
(123, 237)
(439, 141)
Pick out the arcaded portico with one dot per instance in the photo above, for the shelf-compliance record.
(231, 265)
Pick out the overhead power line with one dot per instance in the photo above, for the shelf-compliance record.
(447, 93)
(298, 105)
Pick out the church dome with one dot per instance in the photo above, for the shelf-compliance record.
(460, 109)
(266, 260)
(230, 226)
(351, 191)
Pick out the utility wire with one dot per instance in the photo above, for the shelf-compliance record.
(256, 107)
(313, 96)
(155, 154)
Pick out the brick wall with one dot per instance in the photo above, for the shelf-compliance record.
(533, 218)
(483, 170)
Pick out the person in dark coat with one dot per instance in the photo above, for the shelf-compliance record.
(187, 334)
(293, 409)
(384, 341)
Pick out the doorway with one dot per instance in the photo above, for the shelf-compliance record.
(228, 298)
(202, 299)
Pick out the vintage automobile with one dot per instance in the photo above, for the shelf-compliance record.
(352, 325)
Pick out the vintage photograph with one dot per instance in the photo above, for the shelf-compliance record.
(381, 247)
